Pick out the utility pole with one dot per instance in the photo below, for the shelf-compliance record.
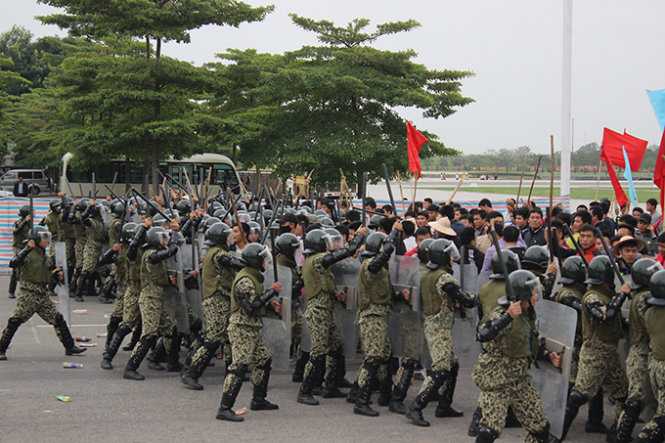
(566, 97)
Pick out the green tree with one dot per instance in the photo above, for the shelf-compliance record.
(11, 82)
(332, 106)
(153, 22)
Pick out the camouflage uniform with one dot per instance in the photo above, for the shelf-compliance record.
(217, 284)
(374, 302)
(319, 314)
(296, 312)
(20, 233)
(502, 375)
(96, 237)
(248, 350)
(599, 363)
(654, 318)
(33, 298)
(54, 224)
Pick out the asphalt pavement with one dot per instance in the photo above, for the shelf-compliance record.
(104, 407)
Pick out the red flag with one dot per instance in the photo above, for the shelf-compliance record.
(636, 148)
(618, 190)
(611, 152)
(659, 170)
(414, 143)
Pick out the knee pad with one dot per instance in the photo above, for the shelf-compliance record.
(576, 398)
(240, 371)
(632, 407)
(59, 320)
(212, 346)
(267, 365)
(123, 329)
(150, 340)
(438, 377)
(14, 322)
(543, 435)
(486, 435)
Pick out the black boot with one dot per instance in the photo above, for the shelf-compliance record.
(444, 408)
(7, 335)
(364, 392)
(486, 435)
(474, 426)
(511, 419)
(653, 435)
(190, 378)
(594, 423)
(259, 402)
(112, 348)
(317, 365)
(82, 287)
(12, 284)
(427, 394)
(385, 388)
(62, 330)
(111, 327)
(405, 373)
(136, 336)
(157, 356)
(131, 370)
(331, 390)
(173, 357)
(575, 401)
(299, 369)
(627, 420)
(225, 411)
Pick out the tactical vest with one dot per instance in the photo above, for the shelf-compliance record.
(606, 331)
(36, 268)
(429, 295)
(519, 339)
(254, 276)
(317, 284)
(211, 277)
(153, 274)
(95, 232)
(52, 221)
(114, 231)
(638, 307)
(21, 233)
(134, 268)
(654, 319)
(373, 289)
(489, 296)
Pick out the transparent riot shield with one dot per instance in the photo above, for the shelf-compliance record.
(192, 293)
(62, 288)
(277, 329)
(556, 327)
(405, 324)
(345, 275)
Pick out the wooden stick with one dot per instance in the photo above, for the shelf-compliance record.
(399, 182)
(533, 181)
(457, 188)
(415, 190)
(519, 190)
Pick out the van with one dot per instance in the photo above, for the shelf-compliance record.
(36, 178)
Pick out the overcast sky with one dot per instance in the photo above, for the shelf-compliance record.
(513, 46)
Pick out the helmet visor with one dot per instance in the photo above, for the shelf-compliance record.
(43, 236)
(334, 242)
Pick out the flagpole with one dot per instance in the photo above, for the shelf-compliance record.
(415, 190)
(566, 98)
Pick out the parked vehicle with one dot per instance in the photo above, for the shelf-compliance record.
(35, 178)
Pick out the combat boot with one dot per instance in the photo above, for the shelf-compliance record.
(173, 357)
(131, 370)
(305, 395)
(136, 336)
(594, 423)
(62, 331)
(444, 408)
(229, 395)
(190, 378)
(474, 426)
(575, 401)
(429, 393)
(627, 420)
(259, 402)
(81, 287)
(299, 369)
(385, 391)
(113, 346)
(361, 406)
(157, 355)
(111, 327)
(331, 390)
(7, 335)
(405, 375)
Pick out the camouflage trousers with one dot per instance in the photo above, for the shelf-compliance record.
(34, 299)
(119, 305)
(249, 353)
(91, 253)
(79, 247)
(131, 315)
(375, 343)
(637, 370)
(174, 304)
(439, 338)
(296, 327)
(216, 313)
(575, 359)
(524, 400)
(70, 247)
(599, 366)
(155, 320)
(657, 378)
(324, 335)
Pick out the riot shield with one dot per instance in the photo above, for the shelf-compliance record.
(556, 327)
(468, 280)
(345, 275)
(62, 288)
(277, 329)
(192, 294)
(405, 324)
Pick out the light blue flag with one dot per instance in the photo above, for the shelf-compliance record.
(628, 175)
(657, 99)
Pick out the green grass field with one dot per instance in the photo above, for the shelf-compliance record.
(587, 192)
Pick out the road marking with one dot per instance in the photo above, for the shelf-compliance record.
(35, 335)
